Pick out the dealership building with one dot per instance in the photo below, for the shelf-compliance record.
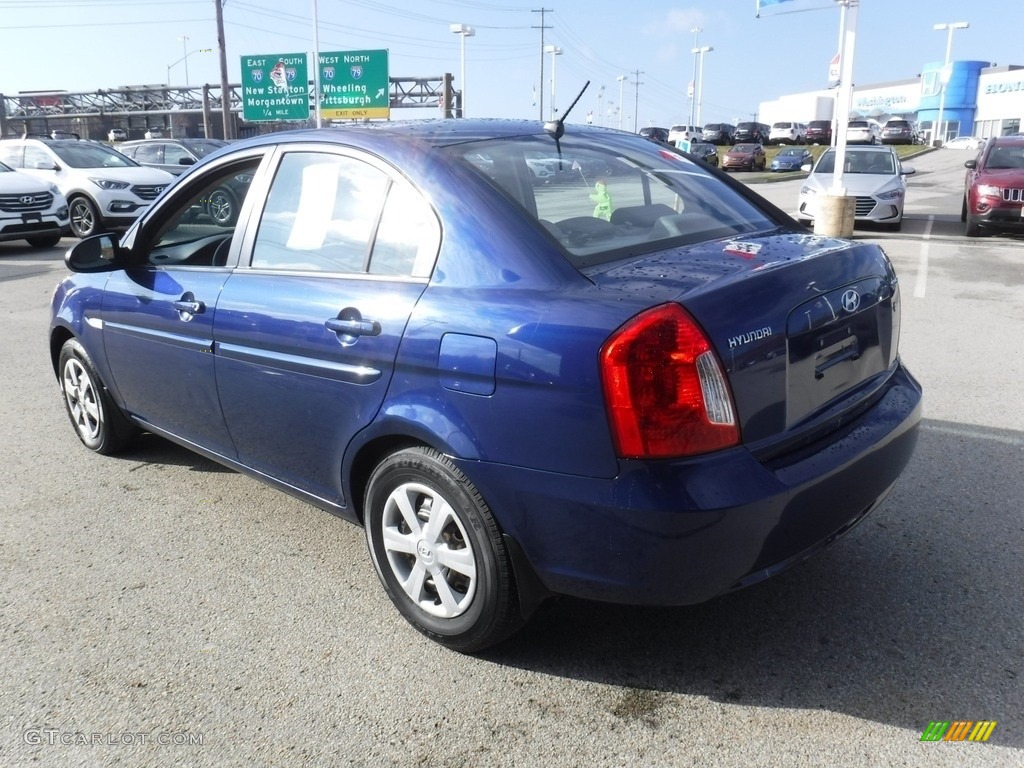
(981, 99)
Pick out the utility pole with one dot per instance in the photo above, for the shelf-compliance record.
(636, 98)
(542, 27)
(225, 89)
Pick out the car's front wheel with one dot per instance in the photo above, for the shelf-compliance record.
(98, 422)
(971, 226)
(85, 220)
(223, 207)
(439, 552)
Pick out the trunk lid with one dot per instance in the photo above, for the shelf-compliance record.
(807, 328)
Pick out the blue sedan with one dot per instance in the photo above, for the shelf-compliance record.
(791, 159)
(638, 384)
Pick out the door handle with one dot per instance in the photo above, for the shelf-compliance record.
(353, 327)
(189, 307)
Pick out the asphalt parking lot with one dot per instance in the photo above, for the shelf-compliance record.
(160, 610)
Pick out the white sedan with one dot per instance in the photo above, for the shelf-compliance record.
(873, 175)
(964, 142)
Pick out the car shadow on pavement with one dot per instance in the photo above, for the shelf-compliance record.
(916, 615)
(148, 448)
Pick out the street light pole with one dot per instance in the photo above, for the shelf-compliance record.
(700, 78)
(554, 50)
(693, 81)
(939, 133)
(463, 32)
(185, 59)
(622, 80)
(184, 42)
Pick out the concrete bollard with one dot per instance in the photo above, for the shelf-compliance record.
(835, 215)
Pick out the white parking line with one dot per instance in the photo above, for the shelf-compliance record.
(922, 262)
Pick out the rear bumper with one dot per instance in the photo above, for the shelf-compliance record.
(683, 532)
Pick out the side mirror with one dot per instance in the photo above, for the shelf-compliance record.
(806, 167)
(99, 253)
(907, 170)
(186, 161)
(972, 164)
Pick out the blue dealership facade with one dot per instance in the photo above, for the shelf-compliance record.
(980, 100)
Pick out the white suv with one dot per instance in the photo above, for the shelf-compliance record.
(104, 189)
(684, 133)
(31, 209)
(788, 133)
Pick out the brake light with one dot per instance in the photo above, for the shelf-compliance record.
(665, 391)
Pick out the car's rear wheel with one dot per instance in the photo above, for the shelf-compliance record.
(43, 241)
(98, 422)
(85, 220)
(439, 552)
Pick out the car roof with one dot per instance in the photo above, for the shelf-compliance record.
(434, 132)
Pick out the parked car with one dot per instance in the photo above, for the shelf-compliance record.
(785, 132)
(972, 143)
(873, 175)
(791, 159)
(744, 157)
(654, 134)
(171, 155)
(818, 132)
(704, 151)
(386, 316)
(899, 131)
(155, 132)
(117, 134)
(994, 188)
(104, 189)
(863, 132)
(679, 133)
(752, 133)
(31, 209)
(719, 134)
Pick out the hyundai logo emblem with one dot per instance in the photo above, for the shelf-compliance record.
(27, 199)
(851, 301)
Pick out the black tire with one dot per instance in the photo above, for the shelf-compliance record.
(85, 220)
(222, 207)
(43, 241)
(971, 226)
(895, 226)
(451, 578)
(97, 421)
(963, 210)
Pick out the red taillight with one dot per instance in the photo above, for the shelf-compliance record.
(664, 389)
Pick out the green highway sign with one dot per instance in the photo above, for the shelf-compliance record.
(354, 84)
(275, 87)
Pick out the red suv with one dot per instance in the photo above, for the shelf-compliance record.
(819, 132)
(994, 188)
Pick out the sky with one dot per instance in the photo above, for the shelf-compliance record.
(86, 45)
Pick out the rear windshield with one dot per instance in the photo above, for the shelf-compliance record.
(603, 199)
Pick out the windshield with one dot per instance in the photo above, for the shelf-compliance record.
(599, 196)
(859, 161)
(203, 148)
(77, 154)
